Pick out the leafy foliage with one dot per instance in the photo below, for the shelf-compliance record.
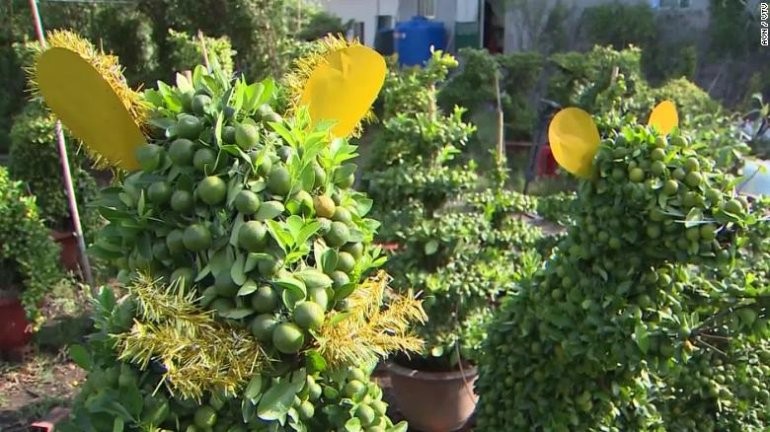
(34, 160)
(455, 244)
(187, 52)
(649, 314)
(28, 256)
(128, 33)
(473, 86)
(607, 25)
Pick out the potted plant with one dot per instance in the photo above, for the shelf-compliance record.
(456, 244)
(27, 264)
(34, 160)
(253, 299)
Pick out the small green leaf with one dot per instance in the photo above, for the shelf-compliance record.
(131, 398)
(363, 205)
(118, 424)
(337, 318)
(236, 227)
(253, 97)
(233, 188)
(279, 398)
(248, 287)
(269, 210)
(307, 231)
(344, 291)
(236, 271)
(294, 224)
(290, 283)
(402, 426)
(183, 84)
(254, 388)
(356, 235)
(140, 203)
(431, 247)
(315, 362)
(329, 261)
(80, 356)
(437, 351)
(642, 337)
(253, 259)
(248, 409)
(344, 172)
(268, 90)
(238, 313)
(218, 128)
(106, 298)
(291, 297)
(314, 278)
(285, 133)
(281, 235)
(308, 177)
(232, 149)
(353, 425)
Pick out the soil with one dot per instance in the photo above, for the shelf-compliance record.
(39, 378)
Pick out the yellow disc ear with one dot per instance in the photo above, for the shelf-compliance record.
(574, 140)
(87, 105)
(664, 117)
(343, 87)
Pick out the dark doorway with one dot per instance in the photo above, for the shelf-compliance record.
(494, 28)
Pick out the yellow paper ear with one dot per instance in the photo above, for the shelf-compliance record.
(88, 106)
(574, 140)
(343, 87)
(664, 117)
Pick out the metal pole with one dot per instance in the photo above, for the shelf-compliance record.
(65, 166)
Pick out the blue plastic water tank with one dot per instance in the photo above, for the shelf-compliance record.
(414, 38)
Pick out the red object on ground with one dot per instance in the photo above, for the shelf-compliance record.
(390, 247)
(49, 423)
(15, 331)
(546, 164)
(70, 255)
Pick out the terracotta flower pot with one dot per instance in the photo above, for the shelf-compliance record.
(69, 256)
(434, 401)
(15, 330)
(389, 247)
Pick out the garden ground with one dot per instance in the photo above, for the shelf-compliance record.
(45, 378)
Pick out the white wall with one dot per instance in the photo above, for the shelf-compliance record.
(694, 18)
(365, 11)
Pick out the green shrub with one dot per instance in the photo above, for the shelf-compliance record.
(691, 100)
(128, 34)
(34, 160)
(579, 78)
(472, 87)
(732, 29)
(456, 244)
(521, 73)
(28, 256)
(670, 59)
(320, 25)
(186, 51)
(620, 25)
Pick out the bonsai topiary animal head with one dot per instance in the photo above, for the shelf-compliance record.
(650, 189)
